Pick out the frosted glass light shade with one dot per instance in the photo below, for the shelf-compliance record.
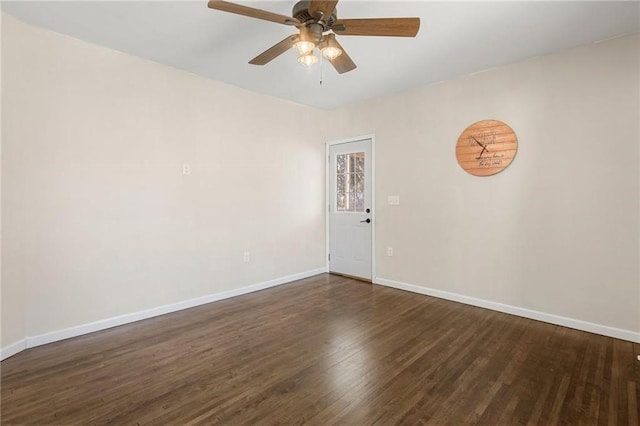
(331, 52)
(304, 47)
(331, 48)
(308, 60)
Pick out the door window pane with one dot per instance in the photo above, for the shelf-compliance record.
(341, 163)
(359, 201)
(359, 181)
(360, 163)
(341, 184)
(350, 182)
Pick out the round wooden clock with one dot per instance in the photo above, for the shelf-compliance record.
(486, 147)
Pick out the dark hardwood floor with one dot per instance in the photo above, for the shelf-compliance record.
(324, 350)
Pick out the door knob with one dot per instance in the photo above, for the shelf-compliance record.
(367, 211)
(367, 221)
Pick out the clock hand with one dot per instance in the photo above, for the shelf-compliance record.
(477, 141)
(484, 147)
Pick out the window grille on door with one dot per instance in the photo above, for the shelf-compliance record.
(350, 182)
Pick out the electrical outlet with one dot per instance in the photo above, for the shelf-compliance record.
(246, 257)
(186, 169)
(393, 200)
(390, 251)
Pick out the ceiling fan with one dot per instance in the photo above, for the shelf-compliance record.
(317, 23)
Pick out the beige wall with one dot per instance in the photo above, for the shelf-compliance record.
(12, 303)
(99, 220)
(557, 231)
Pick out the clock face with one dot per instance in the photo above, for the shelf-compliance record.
(486, 147)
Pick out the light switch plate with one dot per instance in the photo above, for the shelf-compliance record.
(393, 200)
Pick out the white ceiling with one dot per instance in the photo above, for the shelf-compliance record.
(455, 38)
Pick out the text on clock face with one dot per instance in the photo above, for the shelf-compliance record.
(495, 160)
(484, 139)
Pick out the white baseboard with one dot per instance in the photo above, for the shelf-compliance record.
(13, 349)
(91, 327)
(604, 330)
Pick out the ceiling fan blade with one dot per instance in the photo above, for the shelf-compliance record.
(326, 7)
(251, 12)
(274, 51)
(343, 63)
(389, 27)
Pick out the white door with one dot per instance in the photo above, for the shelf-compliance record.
(350, 208)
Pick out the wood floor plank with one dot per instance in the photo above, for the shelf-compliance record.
(326, 350)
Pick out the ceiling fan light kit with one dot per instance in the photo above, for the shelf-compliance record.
(317, 23)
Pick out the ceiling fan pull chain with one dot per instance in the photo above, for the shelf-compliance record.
(321, 67)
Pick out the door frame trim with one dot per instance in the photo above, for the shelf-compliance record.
(327, 190)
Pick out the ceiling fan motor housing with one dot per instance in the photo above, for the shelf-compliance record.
(301, 13)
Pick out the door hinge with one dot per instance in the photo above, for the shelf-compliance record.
(329, 256)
